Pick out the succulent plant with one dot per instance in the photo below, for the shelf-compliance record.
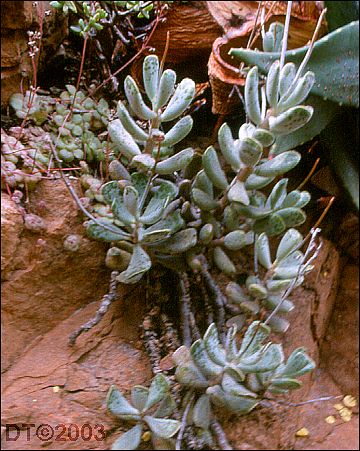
(270, 292)
(149, 408)
(40, 106)
(335, 63)
(146, 221)
(23, 160)
(237, 378)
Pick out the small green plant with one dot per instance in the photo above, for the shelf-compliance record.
(144, 204)
(237, 379)
(149, 408)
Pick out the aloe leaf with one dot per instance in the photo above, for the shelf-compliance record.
(190, 376)
(324, 112)
(272, 357)
(235, 240)
(174, 222)
(263, 251)
(250, 211)
(139, 264)
(203, 183)
(232, 387)
(139, 181)
(291, 120)
(178, 132)
(129, 440)
(175, 163)
(166, 88)
(223, 262)
(334, 54)
(181, 99)
(250, 151)
(164, 428)
(154, 237)
(228, 147)
(271, 225)
(235, 293)
(284, 383)
(252, 101)
(292, 216)
(257, 182)
(136, 101)
(278, 324)
(129, 123)
(119, 406)
(203, 200)
(272, 302)
(160, 199)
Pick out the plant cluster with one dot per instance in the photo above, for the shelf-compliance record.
(182, 208)
(189, 210)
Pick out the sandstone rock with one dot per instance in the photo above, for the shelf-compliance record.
(82, 376)
(340, 351)
(16, 19)
(11, 227)
(44, 283)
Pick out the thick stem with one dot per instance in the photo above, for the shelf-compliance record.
(222, 440)
(106, 301)
(185, 309)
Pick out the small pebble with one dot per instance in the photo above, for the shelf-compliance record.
(303, 432)
(349, 401)
(330, 419)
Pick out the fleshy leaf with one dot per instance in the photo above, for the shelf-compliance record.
(164, 428)
(139, 264)
(129, 440)
(159, 388)
(119, 406)
(202, 412)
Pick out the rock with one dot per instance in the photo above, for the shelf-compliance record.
(11, 227)
(42, 282)
(58, 385)
(17, 18)
(340, 350)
